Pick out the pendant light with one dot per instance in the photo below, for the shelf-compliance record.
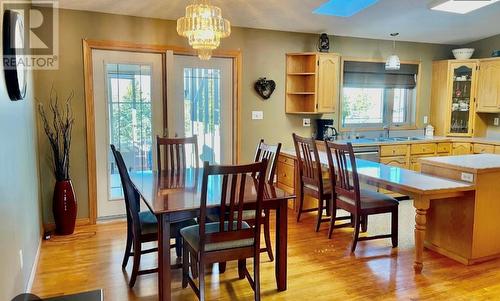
(393, 62)
(204, 27)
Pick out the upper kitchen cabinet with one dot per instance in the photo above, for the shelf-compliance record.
(312, 82)
(488, 87)
(453, 97)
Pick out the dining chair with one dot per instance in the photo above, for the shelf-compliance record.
(142, 227)
(231, 238)
(312, 182)
(171, 155)
(348, 196)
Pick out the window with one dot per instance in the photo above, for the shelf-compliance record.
(373, 97)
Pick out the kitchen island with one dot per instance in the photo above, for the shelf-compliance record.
(465, 228)
(423, 188)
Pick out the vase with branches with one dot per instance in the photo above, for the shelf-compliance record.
(57, 124)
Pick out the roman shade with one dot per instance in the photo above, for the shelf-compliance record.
(374, 75)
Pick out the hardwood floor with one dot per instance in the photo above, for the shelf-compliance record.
(318, 268)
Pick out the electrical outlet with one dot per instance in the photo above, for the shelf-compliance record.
(257, 115)
(467, 177)
(496, 121)
(426, 119)
(306, 122)
(21, 262)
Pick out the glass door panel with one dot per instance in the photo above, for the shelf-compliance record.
(461, 99)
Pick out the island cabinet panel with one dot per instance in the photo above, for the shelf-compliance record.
(415, 161)
(465, 228)
(393, 150)
(479, 148)
(461, 148)
(285, 173)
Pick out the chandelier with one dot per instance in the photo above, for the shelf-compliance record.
(204, 26)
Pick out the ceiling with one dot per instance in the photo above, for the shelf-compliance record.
(411, 18)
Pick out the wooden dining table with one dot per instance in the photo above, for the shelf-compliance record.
(174, 198)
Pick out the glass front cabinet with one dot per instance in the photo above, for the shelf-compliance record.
(461, 98)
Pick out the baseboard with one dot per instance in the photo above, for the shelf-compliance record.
(29, 286)
(79, 222)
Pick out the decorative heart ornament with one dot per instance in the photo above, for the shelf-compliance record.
(264, 87)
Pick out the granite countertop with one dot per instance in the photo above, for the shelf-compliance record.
(473, 163)
(421, 139)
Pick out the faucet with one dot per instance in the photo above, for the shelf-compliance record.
(387, 130)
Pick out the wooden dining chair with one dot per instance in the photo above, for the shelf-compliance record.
(311, 181)
(348, 196)
(142, 227)
(231, 238)
(171, 156)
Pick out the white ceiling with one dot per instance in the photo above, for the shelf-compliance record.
(411, 18)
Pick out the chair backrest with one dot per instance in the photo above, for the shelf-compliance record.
(308, 160)
(174, 153)
(131, 195)
(271, 153)
(346, 182)
(235, 181)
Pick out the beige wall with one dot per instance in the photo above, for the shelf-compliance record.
(20, 212)
(263, 56)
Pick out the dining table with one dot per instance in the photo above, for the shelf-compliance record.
(176, 197)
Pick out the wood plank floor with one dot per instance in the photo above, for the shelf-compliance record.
(318, 268)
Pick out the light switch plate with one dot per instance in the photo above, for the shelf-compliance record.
(257, 115)
(306, 122)
(467, 177)
(496, 121)
(426, 119)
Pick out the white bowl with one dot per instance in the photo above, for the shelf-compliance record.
(463, 53)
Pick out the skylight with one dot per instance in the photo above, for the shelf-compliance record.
(343, 8)
(460, 6)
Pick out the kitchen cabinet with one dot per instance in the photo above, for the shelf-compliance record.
(488, 86)
(479, 148)
(395, 161)
(393, 150)
(312, 83)
(461, 148)
(453, 97)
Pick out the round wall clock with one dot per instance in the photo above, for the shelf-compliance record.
(13, 46)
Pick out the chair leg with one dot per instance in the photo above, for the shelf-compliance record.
(128, 249)
(222, 267)
(185, 267)
(137, 263)
(241, 268)
(364, 223)
(256, 275)
(320, 214)
(201, 279)
(178, 247)
(355, 237)
(301, 204)
(267, 236)
(194, 266)
(394, 228)
(333, 217)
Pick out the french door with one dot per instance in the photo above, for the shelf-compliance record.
(202, 105)
(128, 106)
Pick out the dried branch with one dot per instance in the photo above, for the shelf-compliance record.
(58, 132)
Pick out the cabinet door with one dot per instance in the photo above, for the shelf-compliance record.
(460, 149)
(488, 92)
(461, 94)
(394, 161)
(328, 82)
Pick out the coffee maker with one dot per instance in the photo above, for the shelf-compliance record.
(325, 130)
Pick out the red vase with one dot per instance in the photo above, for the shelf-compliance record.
(64, 207)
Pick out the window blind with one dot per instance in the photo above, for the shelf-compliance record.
(374, 75)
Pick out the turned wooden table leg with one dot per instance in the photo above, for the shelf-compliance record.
(421, 205)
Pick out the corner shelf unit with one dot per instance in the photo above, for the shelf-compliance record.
(312, 82)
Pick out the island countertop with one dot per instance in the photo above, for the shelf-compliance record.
(472, 163)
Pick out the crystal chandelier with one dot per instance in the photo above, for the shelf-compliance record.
(204, 26)
(393, 62)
